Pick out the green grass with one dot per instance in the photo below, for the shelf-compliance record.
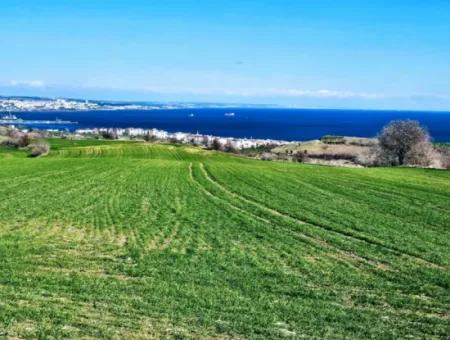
(107, 239)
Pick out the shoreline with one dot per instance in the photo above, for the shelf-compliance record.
(184, 137)
(263, 124)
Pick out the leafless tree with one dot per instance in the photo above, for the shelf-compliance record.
(404, 142)
(149, 138)
(216, 145)
(109, 134)
(444, 152)
(229, 147)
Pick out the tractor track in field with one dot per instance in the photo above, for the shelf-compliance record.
(381, 192)
(321, 226)
(211, 195)
(321, 243)
(361, 201)
(247, 213)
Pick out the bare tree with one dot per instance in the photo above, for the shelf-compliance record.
(404, 142)
(216, 144)
(230, 147)
(109, 134)
(149, 138)
(444, 152)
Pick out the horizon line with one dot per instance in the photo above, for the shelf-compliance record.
(228, 104)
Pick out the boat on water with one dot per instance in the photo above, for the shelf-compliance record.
(229, 114)
(13, 119)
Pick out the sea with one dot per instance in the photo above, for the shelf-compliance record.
(273, 123)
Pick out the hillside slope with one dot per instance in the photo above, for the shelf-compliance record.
(138, 240)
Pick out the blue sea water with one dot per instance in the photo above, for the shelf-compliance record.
(285, 124)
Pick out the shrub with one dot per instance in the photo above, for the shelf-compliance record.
(300, 156)
(330, 139)
(229, 147)
(255, 151)
(149, 138)
(334, 156)
(10, 143)
(3, 131)
(109, 134)
(444, 155)
(369, 142)
(24, 140)
(268, 156)
(216, 145)
(17, 140)
(368, 157)
(423, 154)
(39, 149)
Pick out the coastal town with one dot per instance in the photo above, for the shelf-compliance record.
(18, 104)
(10, 121)
(198, 139)
(60, 104)
(27, 104)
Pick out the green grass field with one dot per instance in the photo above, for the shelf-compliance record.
(133, 240)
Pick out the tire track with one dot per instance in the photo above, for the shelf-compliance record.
(344, 234)
(363, 201)
(214, 197)
(350, 256)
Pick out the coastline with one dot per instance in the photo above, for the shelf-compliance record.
(278, 124)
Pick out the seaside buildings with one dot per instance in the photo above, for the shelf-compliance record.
(181, 137)
(41, 104)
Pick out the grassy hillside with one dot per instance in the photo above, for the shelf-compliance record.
(137, 240)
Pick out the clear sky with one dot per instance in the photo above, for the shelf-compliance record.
(342, 54)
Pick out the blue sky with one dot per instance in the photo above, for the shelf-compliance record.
(341, 54)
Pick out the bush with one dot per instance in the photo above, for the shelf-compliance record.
(334, 156)
(24, 140)
(39, 149)
(3, 131)
(300, 156)
(444, 155)
(369, 142)
(109, 134)
(9, 143)
(330, 139)
(268, 156)
(17, 140)
(368, 157)
(216, 145)
(229, 147)
(255, 151)
(149, 138)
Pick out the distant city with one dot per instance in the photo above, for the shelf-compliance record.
(16, 104)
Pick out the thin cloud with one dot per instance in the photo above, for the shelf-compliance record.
(322, 93)
(27, 83)
(271, 92)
